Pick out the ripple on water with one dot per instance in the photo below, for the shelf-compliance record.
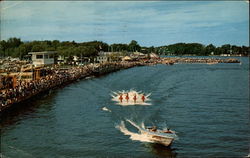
(206, 105)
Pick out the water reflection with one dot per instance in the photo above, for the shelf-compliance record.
(161, 151)
(28, 108)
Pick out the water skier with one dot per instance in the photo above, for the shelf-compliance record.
(120, 98)
(134, 98)
(143, 98)
(127, 97)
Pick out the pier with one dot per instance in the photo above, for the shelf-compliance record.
(172, 60)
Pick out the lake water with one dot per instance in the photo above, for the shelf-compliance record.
(207, 105)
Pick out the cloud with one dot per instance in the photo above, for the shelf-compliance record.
(11, 5)
(120, 21)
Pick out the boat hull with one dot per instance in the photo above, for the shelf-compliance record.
(159, 139)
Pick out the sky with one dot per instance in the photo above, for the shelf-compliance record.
(150, 23)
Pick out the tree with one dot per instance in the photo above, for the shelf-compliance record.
(209, 49)
(118, 47)
(134, 46)
(14, 42)
(37, 48)
(24, 49)
(245, 50)
(3, 47)
(226, 49)
(235, 49)
(152, 49)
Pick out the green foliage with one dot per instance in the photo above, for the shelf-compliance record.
(210, 49)
(118, 47)
(201, 50)
(134, 46)
(14, 42)
(186, 49)
(10, 47)
(16, 48)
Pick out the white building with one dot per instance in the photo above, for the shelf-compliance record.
(61, 59)
(102, 59)
(43, 58)
(137, 55)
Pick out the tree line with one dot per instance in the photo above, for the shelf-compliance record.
(203, 50)
(15, 47)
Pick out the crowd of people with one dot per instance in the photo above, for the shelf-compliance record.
(12, 65)
(25, 89)
(54, 77)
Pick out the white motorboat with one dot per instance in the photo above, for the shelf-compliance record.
(154, 135)
(164, 137)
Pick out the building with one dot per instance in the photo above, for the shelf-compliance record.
(61, 59)
(154, 56)
(126, 58)
(102, 53)
(43, 58)
(225, 55)
(102, 59)
(137, 56)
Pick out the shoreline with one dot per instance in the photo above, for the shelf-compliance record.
(61, 76)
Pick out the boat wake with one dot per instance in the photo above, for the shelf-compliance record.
(133, 136)
(142, 135)
(126, 98)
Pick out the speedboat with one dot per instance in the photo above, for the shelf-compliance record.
(163, 137)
